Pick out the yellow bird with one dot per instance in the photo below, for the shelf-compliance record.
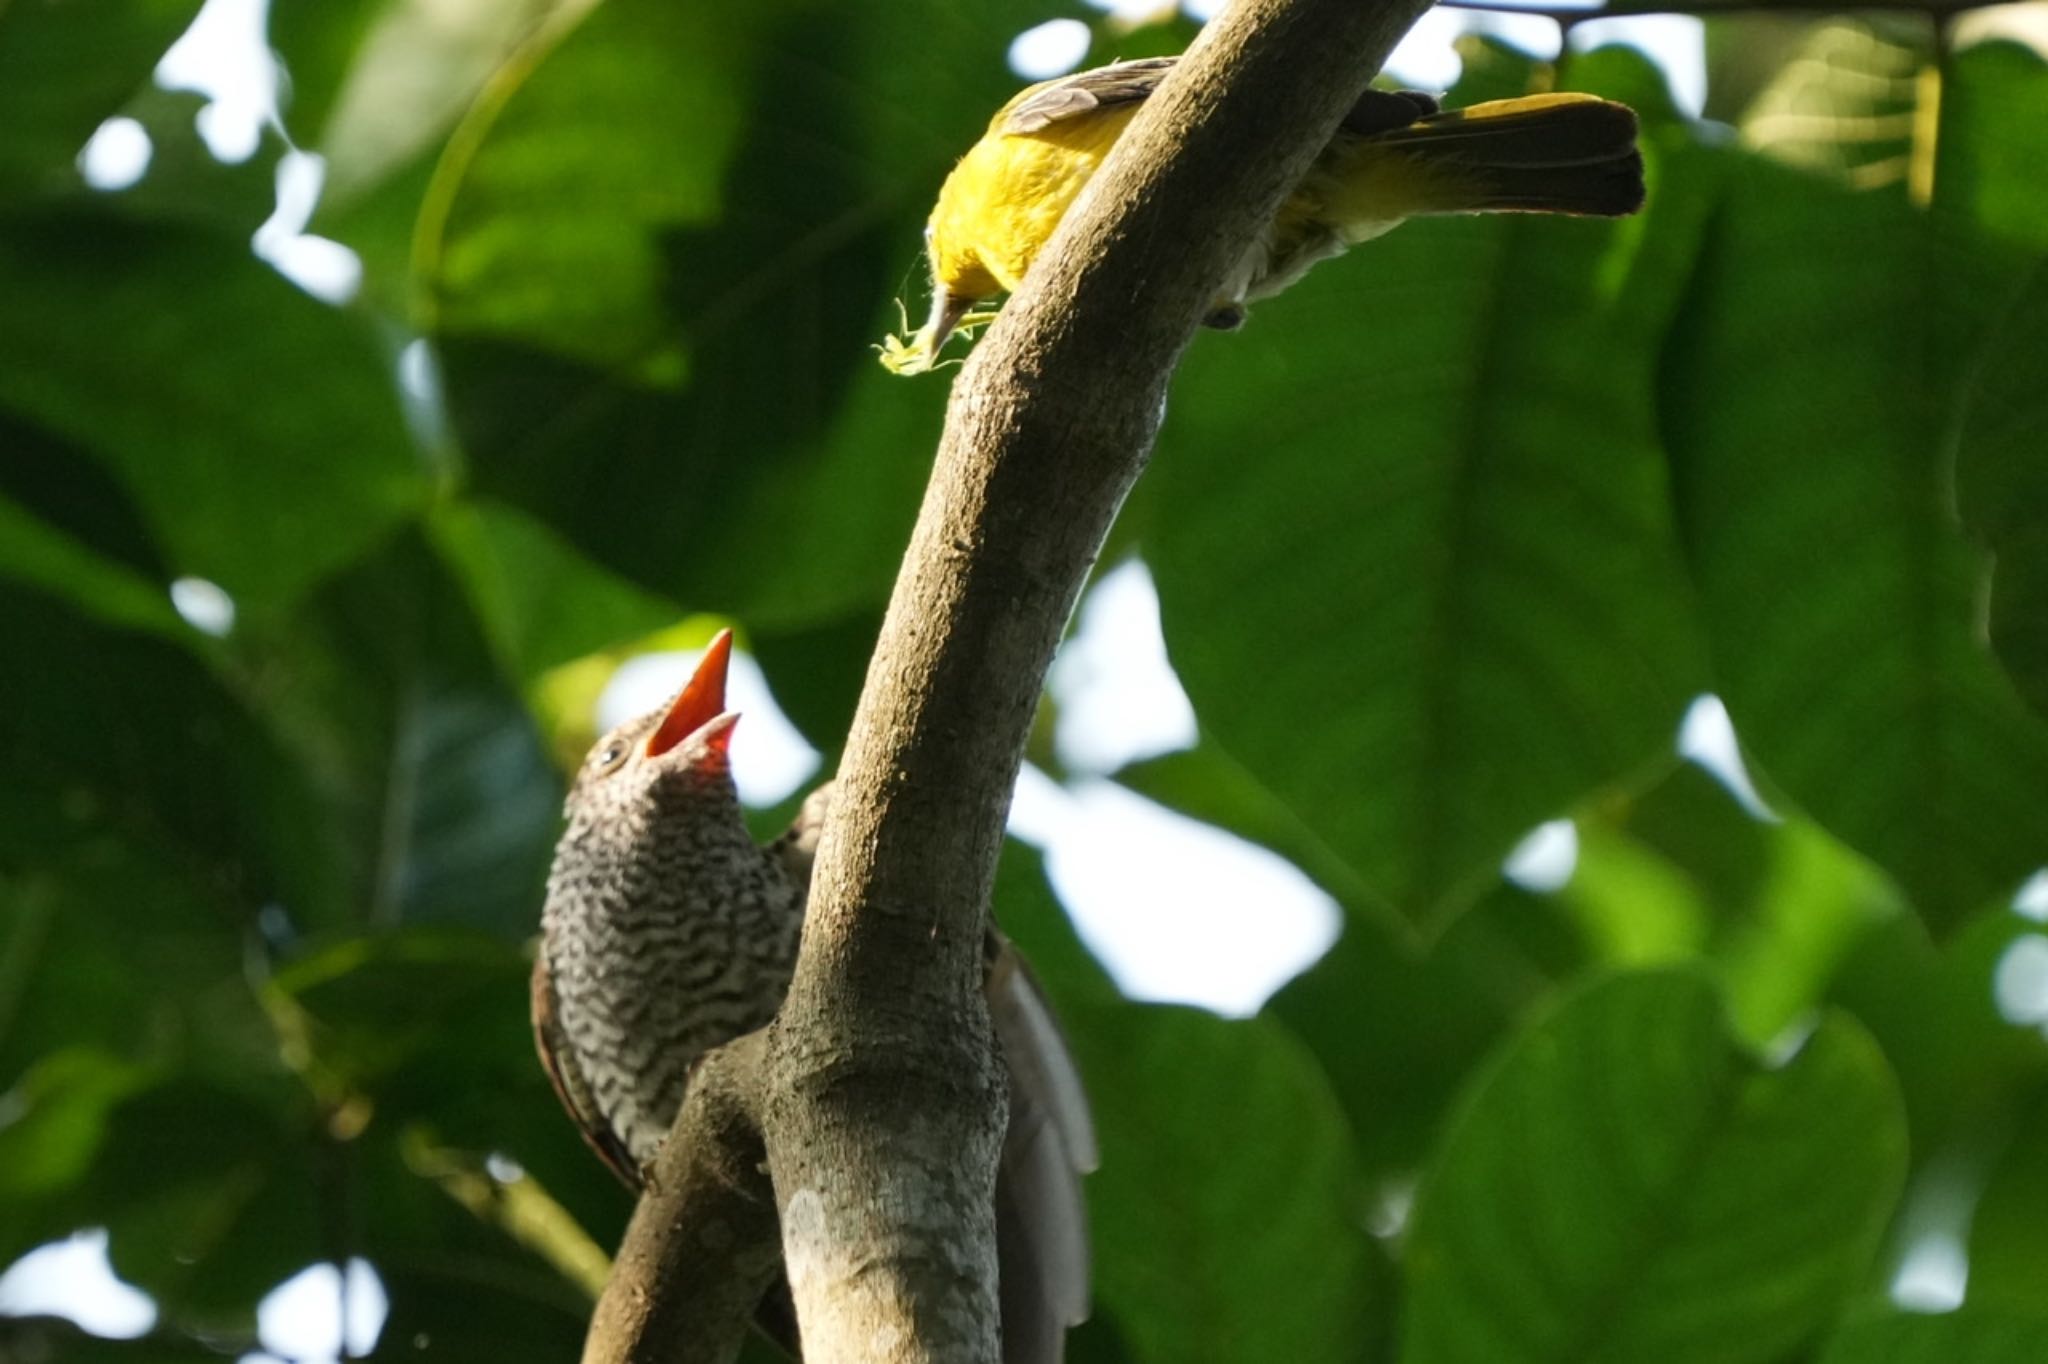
(1394, 156)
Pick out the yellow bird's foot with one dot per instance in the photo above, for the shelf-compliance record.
(916, 355)
(900, 356)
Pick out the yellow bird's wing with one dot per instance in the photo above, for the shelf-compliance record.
(1043, 105)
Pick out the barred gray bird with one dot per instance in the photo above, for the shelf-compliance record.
(668, 931)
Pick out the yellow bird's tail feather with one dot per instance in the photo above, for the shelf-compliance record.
(1557, 153)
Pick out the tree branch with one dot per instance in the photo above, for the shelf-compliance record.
(884, 1111)
(702, 1247)
(1622, 9)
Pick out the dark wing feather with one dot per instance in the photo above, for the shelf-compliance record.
(1072, 96)
(1041, 1221)
(1380, 111)
(568, 1083)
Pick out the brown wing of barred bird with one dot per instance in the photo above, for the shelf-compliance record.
(656, 841)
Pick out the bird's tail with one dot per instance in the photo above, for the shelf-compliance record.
(1556, 153)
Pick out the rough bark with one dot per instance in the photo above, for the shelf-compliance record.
(702, 1246)
(880, 1107)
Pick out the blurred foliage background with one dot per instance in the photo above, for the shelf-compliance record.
(1446, 544)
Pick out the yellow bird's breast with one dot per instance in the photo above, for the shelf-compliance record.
(1002, 202)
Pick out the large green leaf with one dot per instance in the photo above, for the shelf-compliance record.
(206, 1193)
(61, 73)
(146, 819)
(1211, 1128)
(2008, 1249)
(1412, 540)
(258, 431)
(2002, 483)
(542, 603)
(655, 293)
(68, 527)
(1398, 1027)
(1994, 132)
(386, 688)
(1808, 406)
(1628, 1183)
(1207, 1126)
(1970, 1336)
(1682, 871)
(1965, 1070)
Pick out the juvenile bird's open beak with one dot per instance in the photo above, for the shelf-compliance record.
(700, 705)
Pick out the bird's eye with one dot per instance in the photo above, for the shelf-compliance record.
(612, 755)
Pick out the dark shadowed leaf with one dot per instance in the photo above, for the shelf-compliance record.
(428, 1029)
(1210, 1126)
(1964, 1069)
(385, 686)
(148, 818)
(257, 430)
(1204, 1122)
(2002, 483)
(61, 74)
(68, 526)
(1398, 1027)
(207, 1192)
(55, 1340)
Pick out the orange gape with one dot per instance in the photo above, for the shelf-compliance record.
(1394, 157)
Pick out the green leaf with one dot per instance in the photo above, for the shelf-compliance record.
(542, 602)
(1693, 820)
(61, 73)
(1808, 403)
(206, 1192)
(1971, 1336)
(1816, 901)
(1448, 577)
(1398, 1027)
(2008, 1246)
(55, 1340)
(1962, 1066)
(69, 528)
(443, 792)
(1627, 1183)
(146, 819)
(425, 1030)
(1209, 1128)
(257, 430)
(2002, 485)
(702, 410)
(1994, 133)
(1634, 906)
(50, 1137)
(186, 183)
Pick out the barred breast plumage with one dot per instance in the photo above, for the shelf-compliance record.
(668, 931)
